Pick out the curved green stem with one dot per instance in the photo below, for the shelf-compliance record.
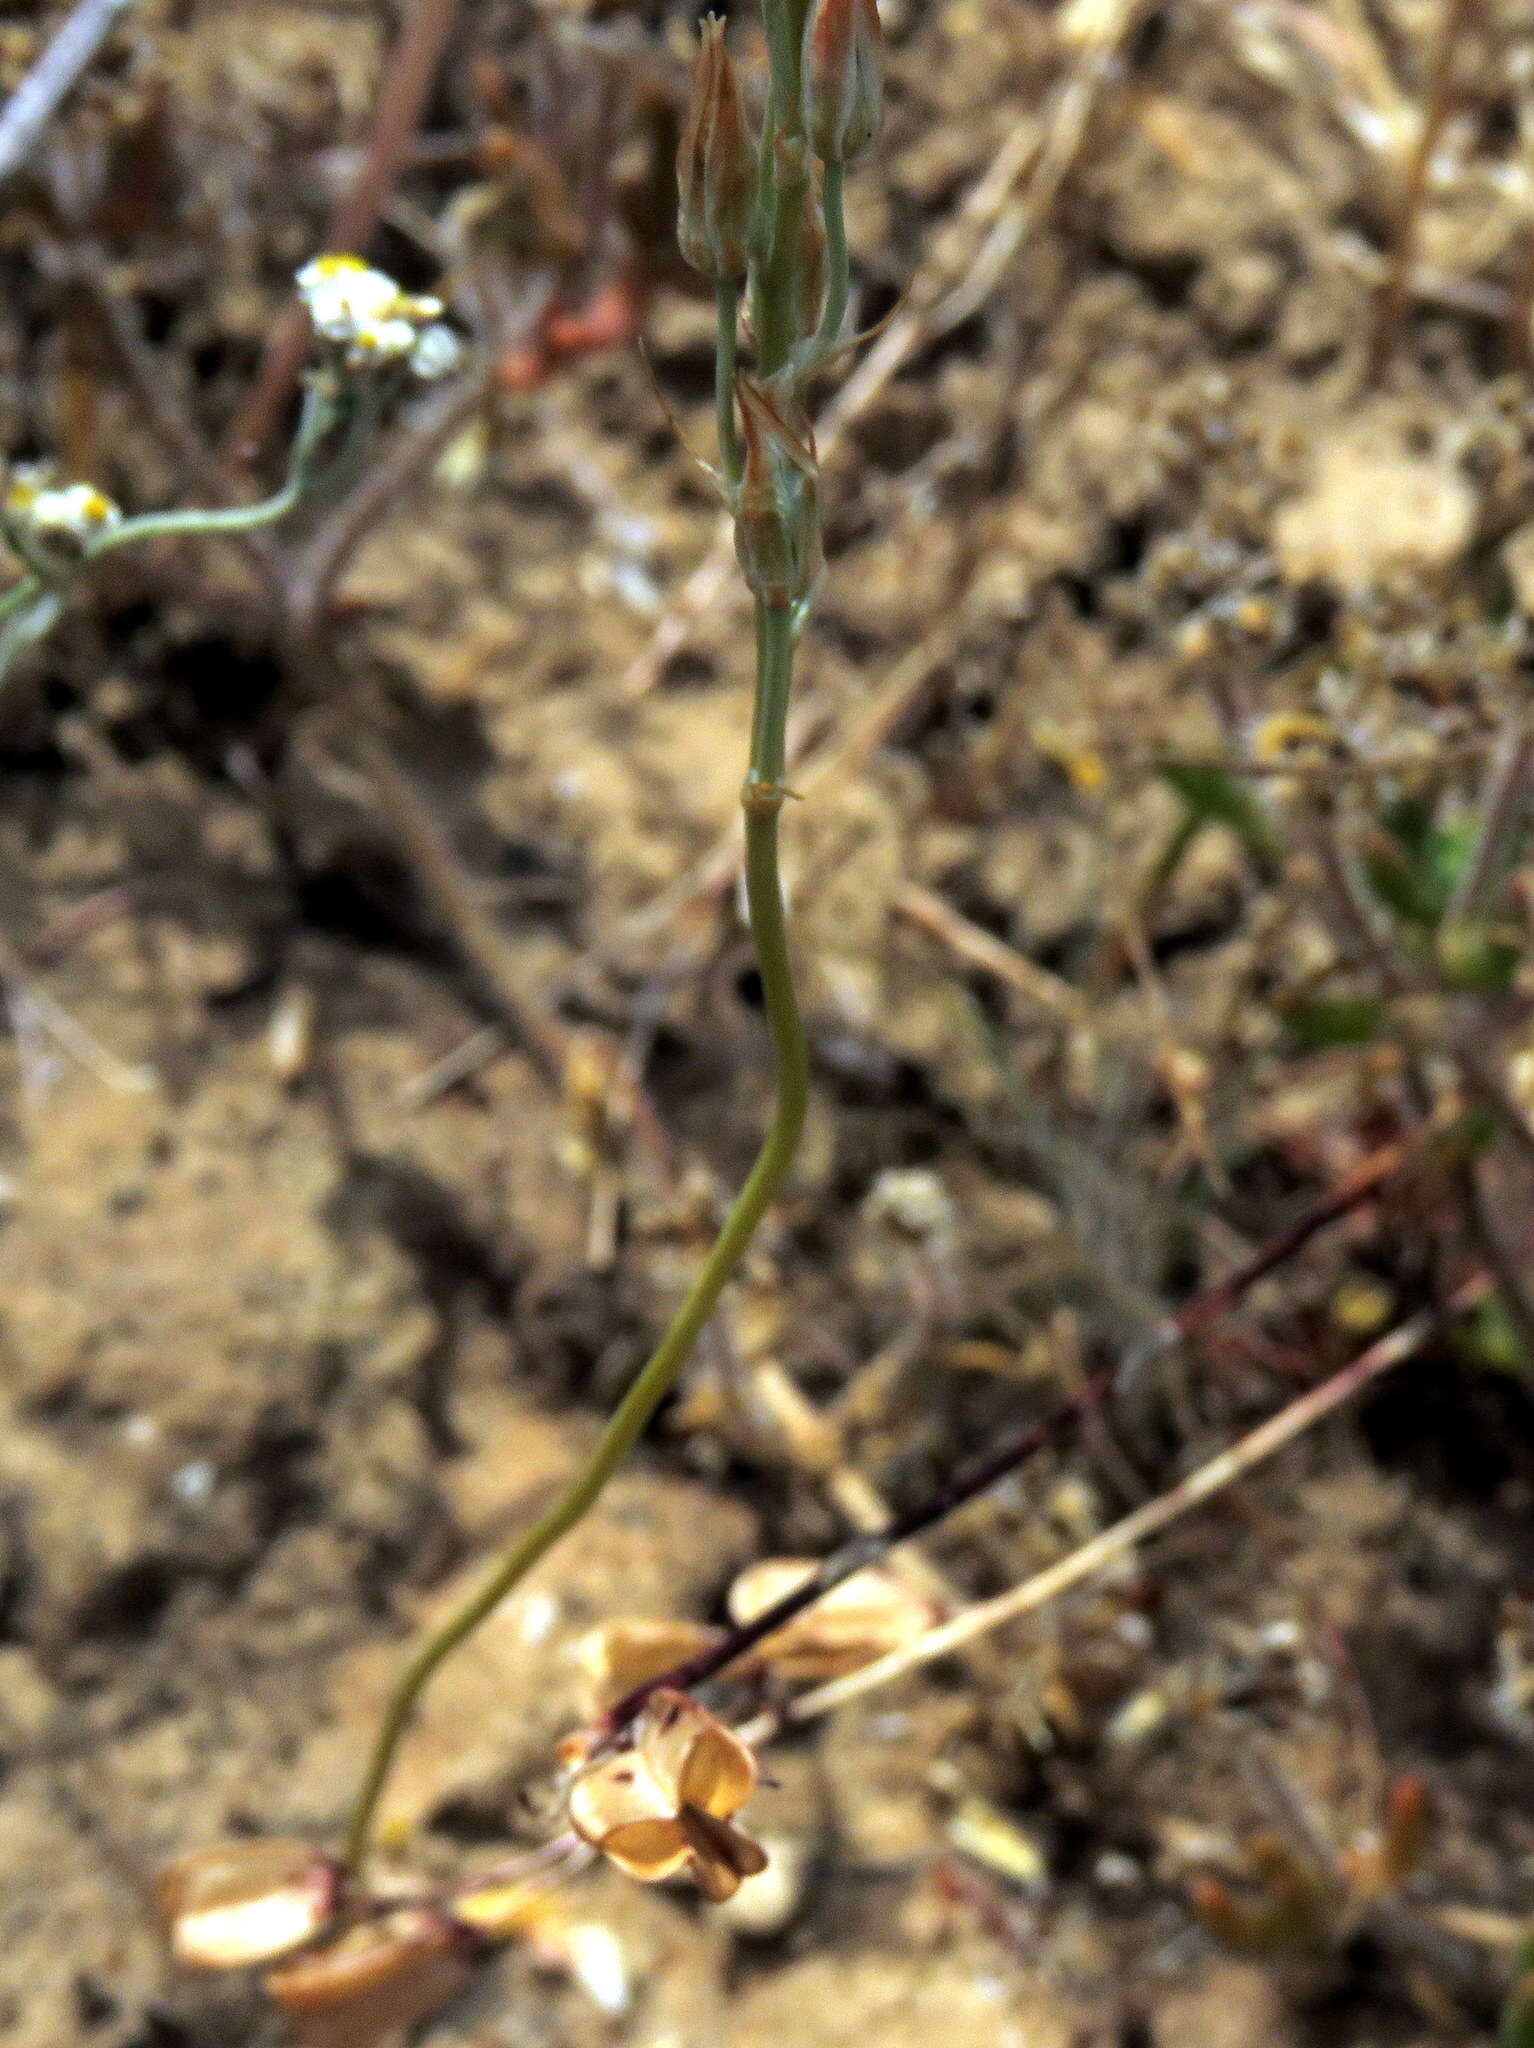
(30, 609)
(762, 799)
(20, 594)
(24, 627)
(318, 415)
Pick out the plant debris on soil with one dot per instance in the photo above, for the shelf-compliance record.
(384, 1041)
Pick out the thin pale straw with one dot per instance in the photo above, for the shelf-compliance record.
(1222, 1471)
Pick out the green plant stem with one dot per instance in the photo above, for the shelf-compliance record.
(727, 306)
(31, 608)
(775, 295)
(20, 595)
(762, 799)
(32, 623)
(783, 21)
(317, 417)
(831, 319)
(780, 199)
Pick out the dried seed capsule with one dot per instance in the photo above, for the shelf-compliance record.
(867, 1616)
(777, 513)
(843, 78)
(244, 1902)
(376, 1980)
(715, 166)
(667, 1803)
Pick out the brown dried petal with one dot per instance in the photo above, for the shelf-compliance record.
(647, 1849)
(665, 1803)
(694, 1755)
(865, 1617)
(616, 1792)
(721, 1855)
(624, 1654)
(244, 1902)
(719, 1775)
(375, 1980)
(500, 1911)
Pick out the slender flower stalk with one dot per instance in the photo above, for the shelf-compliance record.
(843, 110)
(749, 212)
(373, 336)
(59, 532)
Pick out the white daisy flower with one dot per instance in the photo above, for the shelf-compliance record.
(372, 321)
(74, 513)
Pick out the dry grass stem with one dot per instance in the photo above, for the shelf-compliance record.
(1219, 1473)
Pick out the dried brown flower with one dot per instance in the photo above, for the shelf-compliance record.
(665, 1804)
(864, 1617)
(376, 1979)
(244, 1902)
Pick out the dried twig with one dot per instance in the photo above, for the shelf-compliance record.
(450, 897)
(400, 463)
(863, 1551)
(51, 80)
(1395, 285)
(1252, 1450)
(1349, 1193)
(982, 949)
(1203, 1309)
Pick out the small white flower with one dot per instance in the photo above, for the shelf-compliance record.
(74, 513)
(344, 295)
(437, 352)
(375, 324)
(384, 341)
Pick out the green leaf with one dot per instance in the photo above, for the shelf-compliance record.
(1488, 1339)
(1414, 865)
(1469, 1135)
(1220, 799)
(1318, 1022)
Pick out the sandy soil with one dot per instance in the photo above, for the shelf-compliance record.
(293, 1329)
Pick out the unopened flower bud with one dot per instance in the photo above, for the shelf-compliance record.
(777, 512)
(715, 166)
(843, 78)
